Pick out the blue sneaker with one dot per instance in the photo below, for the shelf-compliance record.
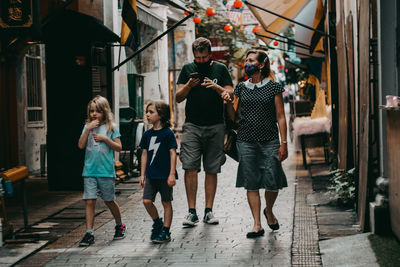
(163, 237)
(156, 229)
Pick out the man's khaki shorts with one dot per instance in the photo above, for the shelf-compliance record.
(206, 141)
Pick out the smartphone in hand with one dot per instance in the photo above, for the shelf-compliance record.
(195, 75)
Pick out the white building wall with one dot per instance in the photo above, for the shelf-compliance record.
(189, 37)
(156, 82)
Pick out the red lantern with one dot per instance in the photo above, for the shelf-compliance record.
(246, 77)
(255, 29)
(228, 28)
(275, 43)
(196, 20)
(237, 4)
(280, 67)
(187, 12)
(210, 12)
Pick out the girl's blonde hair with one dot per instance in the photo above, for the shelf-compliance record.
(163, 111)
(102, 106)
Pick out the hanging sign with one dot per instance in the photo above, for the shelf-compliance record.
(16, 13)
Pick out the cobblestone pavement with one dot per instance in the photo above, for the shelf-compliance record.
(203, 245)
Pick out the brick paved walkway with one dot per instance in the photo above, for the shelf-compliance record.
(204, 245)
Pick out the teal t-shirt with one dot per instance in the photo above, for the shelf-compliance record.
(99, 157)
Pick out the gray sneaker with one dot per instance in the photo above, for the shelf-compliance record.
(191, 219)
(210, 219)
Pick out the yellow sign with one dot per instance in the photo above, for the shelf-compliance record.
(16, 13)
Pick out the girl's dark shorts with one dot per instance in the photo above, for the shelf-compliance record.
(153, 186)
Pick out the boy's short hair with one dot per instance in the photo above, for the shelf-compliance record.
(163, 111)
(201, 44)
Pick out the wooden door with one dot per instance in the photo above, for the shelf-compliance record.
(350, 64)
(364, 111)
(343, 91)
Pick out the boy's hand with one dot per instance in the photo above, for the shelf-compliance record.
(141, 181)
(93, 124)
(171, 180)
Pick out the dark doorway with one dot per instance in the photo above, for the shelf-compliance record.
(70, 39)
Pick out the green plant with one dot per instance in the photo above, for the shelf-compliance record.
(344, 186)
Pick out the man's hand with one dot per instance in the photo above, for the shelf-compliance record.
(207, 82)
(193, 82)
(171, 180)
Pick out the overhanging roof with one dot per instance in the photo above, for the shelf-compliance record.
(69, 24)
(289, 9)
(301, 11)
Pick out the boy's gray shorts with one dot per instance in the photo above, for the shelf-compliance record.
(206, 141)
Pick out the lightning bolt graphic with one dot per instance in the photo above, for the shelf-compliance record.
(153, 146)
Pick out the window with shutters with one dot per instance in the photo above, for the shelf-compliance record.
(34, 105)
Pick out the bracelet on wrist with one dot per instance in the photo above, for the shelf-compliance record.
(284, 142)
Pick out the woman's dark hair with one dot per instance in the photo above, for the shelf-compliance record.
(163, 111)
(261, 57)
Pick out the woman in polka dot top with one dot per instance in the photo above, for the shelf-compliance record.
(262, 121)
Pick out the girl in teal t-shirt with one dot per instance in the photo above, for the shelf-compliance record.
(100, 137)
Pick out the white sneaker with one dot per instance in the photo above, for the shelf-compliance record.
(191, 219)
(210, 219)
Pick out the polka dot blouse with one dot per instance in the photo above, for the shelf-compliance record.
(257, 110)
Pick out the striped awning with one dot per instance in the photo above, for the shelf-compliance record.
(289, 9)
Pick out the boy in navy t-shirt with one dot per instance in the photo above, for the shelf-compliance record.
(158, 168)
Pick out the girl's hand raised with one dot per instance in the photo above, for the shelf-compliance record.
(93, 124)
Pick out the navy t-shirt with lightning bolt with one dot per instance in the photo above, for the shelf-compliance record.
(158, 143)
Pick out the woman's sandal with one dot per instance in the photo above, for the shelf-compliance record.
(255, 234)
(272, 226)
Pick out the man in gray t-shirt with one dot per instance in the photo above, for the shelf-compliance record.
(201, 83)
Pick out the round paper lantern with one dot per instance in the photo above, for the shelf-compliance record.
(196, 20)
(237, 4)
(211, 12)
(228, 28)
(255, 29)
(246, 77)
(186, 13)
(275, 43)
(280, 67)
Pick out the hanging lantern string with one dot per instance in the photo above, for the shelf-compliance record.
(282, 36)
(285, 42)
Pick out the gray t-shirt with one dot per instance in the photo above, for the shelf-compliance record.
(257, 110)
